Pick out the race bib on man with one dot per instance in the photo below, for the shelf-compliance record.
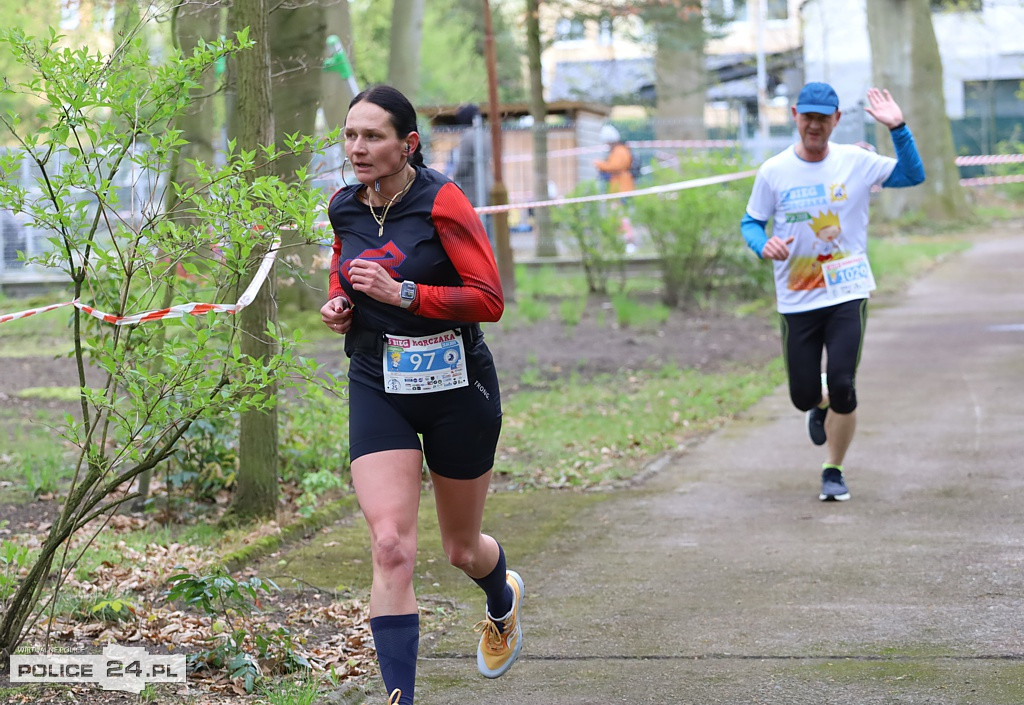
(431, 363)
(849, 275)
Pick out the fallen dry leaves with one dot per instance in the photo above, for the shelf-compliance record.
(331, 634)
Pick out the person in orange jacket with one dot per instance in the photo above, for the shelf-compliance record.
(617, 166)
(617, 170)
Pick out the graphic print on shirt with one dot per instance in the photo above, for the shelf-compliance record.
(389, 257)
(813, 205)
(805, 271)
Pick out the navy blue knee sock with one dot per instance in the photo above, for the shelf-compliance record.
(495, 586)
(397, 639)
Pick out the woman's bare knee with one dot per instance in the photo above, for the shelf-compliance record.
(394, 555)
(462, 554)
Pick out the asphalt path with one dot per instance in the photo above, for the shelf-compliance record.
(723, 579)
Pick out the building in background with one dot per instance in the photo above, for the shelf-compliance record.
(823, 40)
(606, 61)
(982, 48)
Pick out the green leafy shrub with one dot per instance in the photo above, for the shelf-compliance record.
(595, 232)
(246, 648)
(696, 232)
(314, 431)
(102, 121)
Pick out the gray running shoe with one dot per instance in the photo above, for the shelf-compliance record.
(816, 425)
(833, 486)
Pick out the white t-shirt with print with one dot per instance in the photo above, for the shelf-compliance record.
(824, 207)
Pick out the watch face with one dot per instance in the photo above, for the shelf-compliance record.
(408, 291)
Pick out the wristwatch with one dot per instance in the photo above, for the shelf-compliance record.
(408, 294)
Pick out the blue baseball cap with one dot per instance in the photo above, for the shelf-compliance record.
(817, 98)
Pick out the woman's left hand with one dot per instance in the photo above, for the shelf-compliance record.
(373, 280)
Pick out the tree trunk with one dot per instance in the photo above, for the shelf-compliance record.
(253, 126)
(679, 76)
(905, 59)
(335, 91)
(297, 38)
(406, 35)
(546, 246)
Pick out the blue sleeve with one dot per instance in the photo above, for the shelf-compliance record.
(754, 233)
(909, 170)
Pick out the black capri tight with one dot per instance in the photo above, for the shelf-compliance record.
(839, 331)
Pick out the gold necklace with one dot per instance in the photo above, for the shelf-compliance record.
(387, 207)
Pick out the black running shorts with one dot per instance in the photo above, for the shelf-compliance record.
(459, 427)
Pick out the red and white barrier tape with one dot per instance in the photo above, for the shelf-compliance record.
(178, 311)
(32, 311)
(983, 159)
(665, 188)
(249, 294)
(993, 180)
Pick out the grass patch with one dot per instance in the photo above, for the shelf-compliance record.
(532, 309)
(32, 455)
(630, 313)
(571, 434)
(549, 281)
(61, 394)
(570, 310)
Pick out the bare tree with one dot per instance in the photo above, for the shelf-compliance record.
(298, 33)
(905, 59)
(679, 70)
(252, 124)
(677, 30)
(538, 110)
(406, 35)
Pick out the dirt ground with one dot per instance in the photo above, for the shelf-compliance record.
(704, 340)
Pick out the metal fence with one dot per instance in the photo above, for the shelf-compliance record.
(572, 147)
(132, 188)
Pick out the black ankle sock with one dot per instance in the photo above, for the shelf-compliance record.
(495, 586)
(397, 639)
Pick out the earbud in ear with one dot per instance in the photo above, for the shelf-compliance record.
(407, 148)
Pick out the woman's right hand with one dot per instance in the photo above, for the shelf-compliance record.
(337, 314)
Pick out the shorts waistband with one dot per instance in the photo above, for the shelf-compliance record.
(372, 341)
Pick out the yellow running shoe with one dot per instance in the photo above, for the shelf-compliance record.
(499, 648)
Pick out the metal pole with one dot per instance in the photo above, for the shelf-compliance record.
(499, 194)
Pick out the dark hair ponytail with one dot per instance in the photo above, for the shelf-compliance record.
(400, 110)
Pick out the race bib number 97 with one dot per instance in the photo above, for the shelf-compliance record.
(849, 275)
(431, 363)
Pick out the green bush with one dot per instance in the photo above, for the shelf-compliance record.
(247, 649)
(595, 230)
(696, 233)
(313, 436)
